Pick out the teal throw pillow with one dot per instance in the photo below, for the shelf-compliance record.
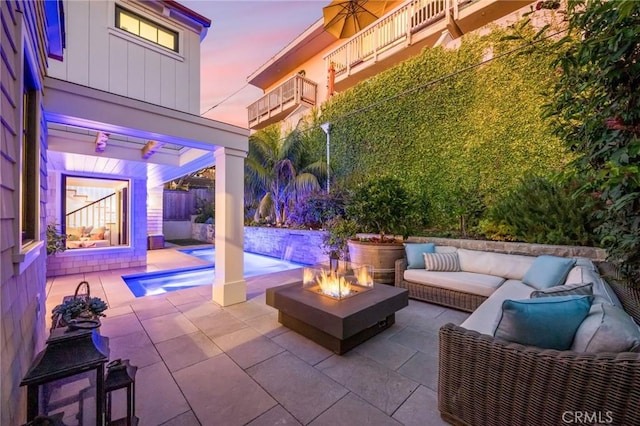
(415, 251)
(546, 322)
(548, 271)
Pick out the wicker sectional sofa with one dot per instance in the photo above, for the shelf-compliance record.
(484, 380)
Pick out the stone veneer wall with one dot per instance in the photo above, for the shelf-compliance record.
(595, 254)
(205, 232)
(306, 246)
(103, 259)
(295, 245)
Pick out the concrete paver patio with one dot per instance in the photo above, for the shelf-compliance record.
(202, 364)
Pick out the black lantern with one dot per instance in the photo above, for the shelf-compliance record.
(67, 378)
(121, 375)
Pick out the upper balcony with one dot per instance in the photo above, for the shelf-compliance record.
(278, 103)
(400, 34)
(405, 31)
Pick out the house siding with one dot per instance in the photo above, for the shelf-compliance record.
(106, 58)
(21, 294)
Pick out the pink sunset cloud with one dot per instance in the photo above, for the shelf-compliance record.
(243, 36)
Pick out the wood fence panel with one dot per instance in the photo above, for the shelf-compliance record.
(180, 205)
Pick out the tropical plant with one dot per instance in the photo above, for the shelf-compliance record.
(317, 209)
(205, 211)
(384, 206)
(203, 178)
(596, 108)
(56, 241)
(278, 171)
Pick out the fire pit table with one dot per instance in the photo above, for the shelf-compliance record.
(337, 323)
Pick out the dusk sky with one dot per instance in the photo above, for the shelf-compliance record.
(243, 36)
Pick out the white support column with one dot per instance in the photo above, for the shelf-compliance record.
(229, 286)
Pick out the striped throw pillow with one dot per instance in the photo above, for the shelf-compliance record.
(578, 289)
(442, 262)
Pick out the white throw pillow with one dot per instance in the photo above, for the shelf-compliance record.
(442, 262)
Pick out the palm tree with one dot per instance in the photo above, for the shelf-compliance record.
(278, 171)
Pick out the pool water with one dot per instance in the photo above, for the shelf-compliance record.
(151, 283)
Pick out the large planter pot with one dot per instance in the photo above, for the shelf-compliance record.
(382, 256)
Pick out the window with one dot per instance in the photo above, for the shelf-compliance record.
(146, 29)
(25, 205)
(29, 167)
(96, 212)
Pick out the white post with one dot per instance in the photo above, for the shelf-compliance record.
(327, 129)
(229, 285)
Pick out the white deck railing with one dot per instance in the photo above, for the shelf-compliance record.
(390, 31)
(296, 90)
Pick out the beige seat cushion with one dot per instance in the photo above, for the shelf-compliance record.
(485, 319)
(467, 282)
(509, 266)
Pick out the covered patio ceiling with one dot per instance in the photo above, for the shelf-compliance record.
(184, 142)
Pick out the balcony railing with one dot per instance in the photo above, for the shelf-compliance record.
(390, 31)
(282, 100)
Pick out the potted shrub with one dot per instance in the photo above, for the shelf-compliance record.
(339, 230)
(75, 308)
(56, 242)
(384, 207)
(81, 307)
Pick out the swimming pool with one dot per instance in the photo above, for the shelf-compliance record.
(151, 283)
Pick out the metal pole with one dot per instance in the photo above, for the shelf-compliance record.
(327, 129)
(328, 163)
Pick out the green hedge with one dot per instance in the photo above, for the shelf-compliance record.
(479, 131)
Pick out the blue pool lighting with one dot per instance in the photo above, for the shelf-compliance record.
(150, 283)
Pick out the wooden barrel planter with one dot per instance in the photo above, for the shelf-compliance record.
(381, 256)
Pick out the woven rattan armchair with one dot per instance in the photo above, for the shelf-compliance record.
(487, 381)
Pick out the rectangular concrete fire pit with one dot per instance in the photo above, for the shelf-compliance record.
(338, 325)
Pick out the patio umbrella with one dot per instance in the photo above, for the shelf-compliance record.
(344, 18)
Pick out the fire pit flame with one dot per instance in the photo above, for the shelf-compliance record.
(346, 281)
(333, 285)
(364, 276)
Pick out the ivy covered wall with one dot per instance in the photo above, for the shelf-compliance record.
(472, 134)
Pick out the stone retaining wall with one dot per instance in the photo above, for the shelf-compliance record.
(204, 232)
(295, 245)
(302, 246)
(593, 253)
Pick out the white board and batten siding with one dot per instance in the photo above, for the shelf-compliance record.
(104, 57)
